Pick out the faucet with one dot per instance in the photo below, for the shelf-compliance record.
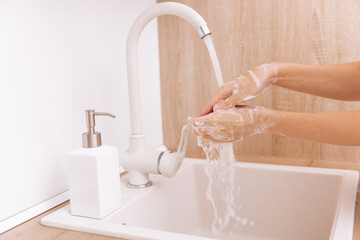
(138, 161)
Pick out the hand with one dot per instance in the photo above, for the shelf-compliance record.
(234, 124)
(246, 87)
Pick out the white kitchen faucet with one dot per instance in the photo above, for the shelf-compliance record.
(138, 161)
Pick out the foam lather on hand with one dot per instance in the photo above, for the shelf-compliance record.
(234, 124)
(249, 85)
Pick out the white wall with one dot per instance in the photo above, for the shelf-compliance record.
(58, 58)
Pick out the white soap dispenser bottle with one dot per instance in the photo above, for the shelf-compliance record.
(94, 180)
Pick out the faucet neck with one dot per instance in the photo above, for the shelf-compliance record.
(166, 8)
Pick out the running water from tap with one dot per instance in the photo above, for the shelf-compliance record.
(210, 46)
(220, 169)
(222, 191)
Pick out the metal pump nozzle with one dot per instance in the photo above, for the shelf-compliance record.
(92, 139)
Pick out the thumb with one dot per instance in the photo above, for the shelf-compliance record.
(227, 103)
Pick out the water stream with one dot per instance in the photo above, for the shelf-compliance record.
(222, 190)
(210, 46)
(220, 170)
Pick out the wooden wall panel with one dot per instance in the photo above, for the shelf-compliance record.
(247, 33)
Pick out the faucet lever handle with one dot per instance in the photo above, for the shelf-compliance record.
(183, 142)
(170, 162)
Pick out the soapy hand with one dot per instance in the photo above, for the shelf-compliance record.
(246, 87)
(234, 124)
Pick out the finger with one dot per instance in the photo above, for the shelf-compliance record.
(196, 122)
(209, 107)
(197, 125)
(209, 137)
(190, 120)
(217, 138)
(227, 103)
(217, 106)
(223, 93)
(201, 131)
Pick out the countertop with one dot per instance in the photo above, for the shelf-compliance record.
(32, 229)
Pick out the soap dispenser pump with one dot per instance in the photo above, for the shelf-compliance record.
(92, 139)
(94, 180)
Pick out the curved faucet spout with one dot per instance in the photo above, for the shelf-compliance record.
(137, 160)
(166, 8)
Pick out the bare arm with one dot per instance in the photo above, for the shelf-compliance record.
(342, 128)
(341, 81)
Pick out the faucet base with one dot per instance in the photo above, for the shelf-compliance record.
(138, 180)
(129, 185)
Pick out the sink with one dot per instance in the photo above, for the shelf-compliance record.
(280, 202)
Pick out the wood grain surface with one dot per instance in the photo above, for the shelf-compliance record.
(33, 230)
(247, 33)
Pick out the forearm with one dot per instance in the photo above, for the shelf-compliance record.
(341, 81)
(341, 128)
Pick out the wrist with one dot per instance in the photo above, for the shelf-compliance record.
(291, 75)
(278, 72)
(275, 118)
(266, 120)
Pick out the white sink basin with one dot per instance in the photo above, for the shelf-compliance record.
(282, 202)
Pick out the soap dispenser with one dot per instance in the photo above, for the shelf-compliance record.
(94, 180)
